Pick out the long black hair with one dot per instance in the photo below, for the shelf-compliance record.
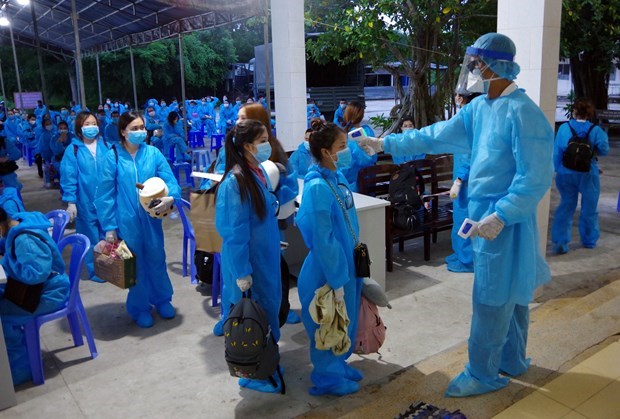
(245, 132)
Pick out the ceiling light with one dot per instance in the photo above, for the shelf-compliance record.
(4, 21)
(23, 2)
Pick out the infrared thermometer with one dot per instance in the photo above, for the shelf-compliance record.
(468, 228)
(357, 134)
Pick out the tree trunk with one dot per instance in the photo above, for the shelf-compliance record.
(588, 80)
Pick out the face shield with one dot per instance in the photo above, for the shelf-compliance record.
(475, 62)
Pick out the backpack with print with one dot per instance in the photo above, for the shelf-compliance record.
(370, 329)
(578, 154)
(406, 187)
(250, 348)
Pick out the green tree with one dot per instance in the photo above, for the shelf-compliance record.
(591, 40)
(414, 34)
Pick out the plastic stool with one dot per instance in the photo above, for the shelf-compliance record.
(217, 138)
(201, 158)
(187, 170)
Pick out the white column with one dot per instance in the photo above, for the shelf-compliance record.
(289, 67)
(534, 26)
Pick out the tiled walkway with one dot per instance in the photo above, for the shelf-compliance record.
(589, 390)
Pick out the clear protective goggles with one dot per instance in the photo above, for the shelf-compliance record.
(476, 60)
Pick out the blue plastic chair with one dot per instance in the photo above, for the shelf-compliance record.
(59, 219)
(217, 139)
(73, 310)
(189, 240)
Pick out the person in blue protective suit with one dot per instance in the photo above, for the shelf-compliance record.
(111, 130)
(39, 111)
(9, 154)
(60, 141)
(339, 113)
(11, 201)
(407, 124)
(75, 107)
(511, 166)
(571, 183)
(152, 120)
(327, 233)
(286, 190)
(28, 137)
(228, 117)
(207, 115)
(102, 120)
(175, 146)
(301, 159)
(45, 134)
(80, 171)
(31, 257)
(11, 126)
(122, 216)
(246, 219)
(312, 111)
(353, 116)
(462, 260)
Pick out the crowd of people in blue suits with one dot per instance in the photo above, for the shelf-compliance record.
(97, 158)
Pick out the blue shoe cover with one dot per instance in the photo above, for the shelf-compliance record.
(589, 245)
(264, 386)
(144, 319)
(292, 318)
(464, 385)
(341, 389)
(451, 258)
(458, 266)
(95, 278)
(165, 310)
(352, 374)
(218, 329)
(560, 248)
(515, 370)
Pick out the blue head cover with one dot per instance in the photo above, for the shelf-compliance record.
(498, 52)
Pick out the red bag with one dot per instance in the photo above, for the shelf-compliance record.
(370, 329)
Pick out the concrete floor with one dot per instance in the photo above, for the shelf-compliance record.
(177, 368)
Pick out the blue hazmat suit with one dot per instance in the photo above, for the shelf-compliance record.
(58, 146)
(339, 116)
(9, 150)
(359, 159)
(80, 173)
(174, 139)
(511, 144)
(11, 201)
(462, 260)
(27, 135)
(219, 168)
(571, 183)
(111, 134)
(39, 112)
(301, 160)
(11, 128)
(330, 261)
(118, 208)
(227, 120)
(37, 260)
(250, 246)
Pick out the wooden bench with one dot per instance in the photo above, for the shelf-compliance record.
(608, 118)
(375, 181)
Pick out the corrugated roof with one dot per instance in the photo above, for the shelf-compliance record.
(108, 25)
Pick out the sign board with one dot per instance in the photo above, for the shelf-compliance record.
(28, 99)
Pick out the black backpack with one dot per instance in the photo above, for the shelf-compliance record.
(250, 348)
(406, 187)
(578, 154)
(204, 266)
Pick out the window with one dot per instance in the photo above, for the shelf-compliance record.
(612, 72)
(563, 71)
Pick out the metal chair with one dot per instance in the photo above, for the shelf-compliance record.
(59, 219)
(73, 310)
